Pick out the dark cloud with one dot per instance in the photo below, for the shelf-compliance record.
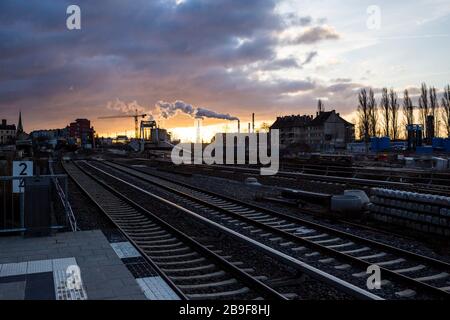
(146, 51)
(341, 80)
(414, 90)
(341, 87)
(278, 64)
(315, 34)
(309, 57)
(293, 19)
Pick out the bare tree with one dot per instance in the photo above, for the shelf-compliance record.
(423, 106)
(434, 109)
(360, 129)
(394, 108)
(264, 127)
(373, 112)
(364, 116)
(320, 106)
(408, 110)
(408, 107)
(446, 109)
(385, 111)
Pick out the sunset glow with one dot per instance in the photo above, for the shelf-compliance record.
(270, 57)
(188, 133)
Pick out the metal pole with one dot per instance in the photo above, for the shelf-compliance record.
(22, 209)
(4, 205)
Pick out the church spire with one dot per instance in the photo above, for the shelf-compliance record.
(19, 125)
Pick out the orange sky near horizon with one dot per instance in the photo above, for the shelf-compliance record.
(183, 127)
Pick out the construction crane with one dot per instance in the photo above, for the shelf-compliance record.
(136, 117)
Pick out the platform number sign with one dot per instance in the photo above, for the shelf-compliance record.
(21, 169)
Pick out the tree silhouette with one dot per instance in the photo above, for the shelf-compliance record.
(423, 106)
(434, 105)
(373, 112)
(264, 127)
(364, 116)
(408, 110)
(446, 109)
(385, 111)
(320, 106)
(393, 108)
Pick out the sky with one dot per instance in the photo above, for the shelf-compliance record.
(230, 57)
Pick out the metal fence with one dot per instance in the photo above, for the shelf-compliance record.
(64, 198)
(12, 205)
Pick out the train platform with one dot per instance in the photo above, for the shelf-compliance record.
(83, 265)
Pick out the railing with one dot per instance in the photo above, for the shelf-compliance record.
(12, 205)
(64, 197)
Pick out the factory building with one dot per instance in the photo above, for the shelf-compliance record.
(325, 132)
(7, 132)
(82, 132)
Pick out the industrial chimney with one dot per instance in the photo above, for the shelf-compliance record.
(253, 122)
(198, 127)
(239, 126)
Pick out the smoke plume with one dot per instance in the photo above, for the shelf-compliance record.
(128, 108)
(170, 109)
(205, 113)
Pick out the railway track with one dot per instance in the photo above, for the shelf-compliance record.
(131, 190)
(381, 173)
(193, 270)
(411, 180)
(344, 255)
(353, 180)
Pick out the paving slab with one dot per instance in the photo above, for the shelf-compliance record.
(44, 267)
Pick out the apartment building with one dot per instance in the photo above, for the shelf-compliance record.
(7, 132)
(328, 130)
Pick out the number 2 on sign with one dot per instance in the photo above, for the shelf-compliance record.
(21, 169)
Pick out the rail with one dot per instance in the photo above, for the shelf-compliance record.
(439, 265)
(140, 238)
(289, 260)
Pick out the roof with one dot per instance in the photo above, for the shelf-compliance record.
(7, 126)
(291, 121)
(347, 123)
(321, 118)
(306, 121)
